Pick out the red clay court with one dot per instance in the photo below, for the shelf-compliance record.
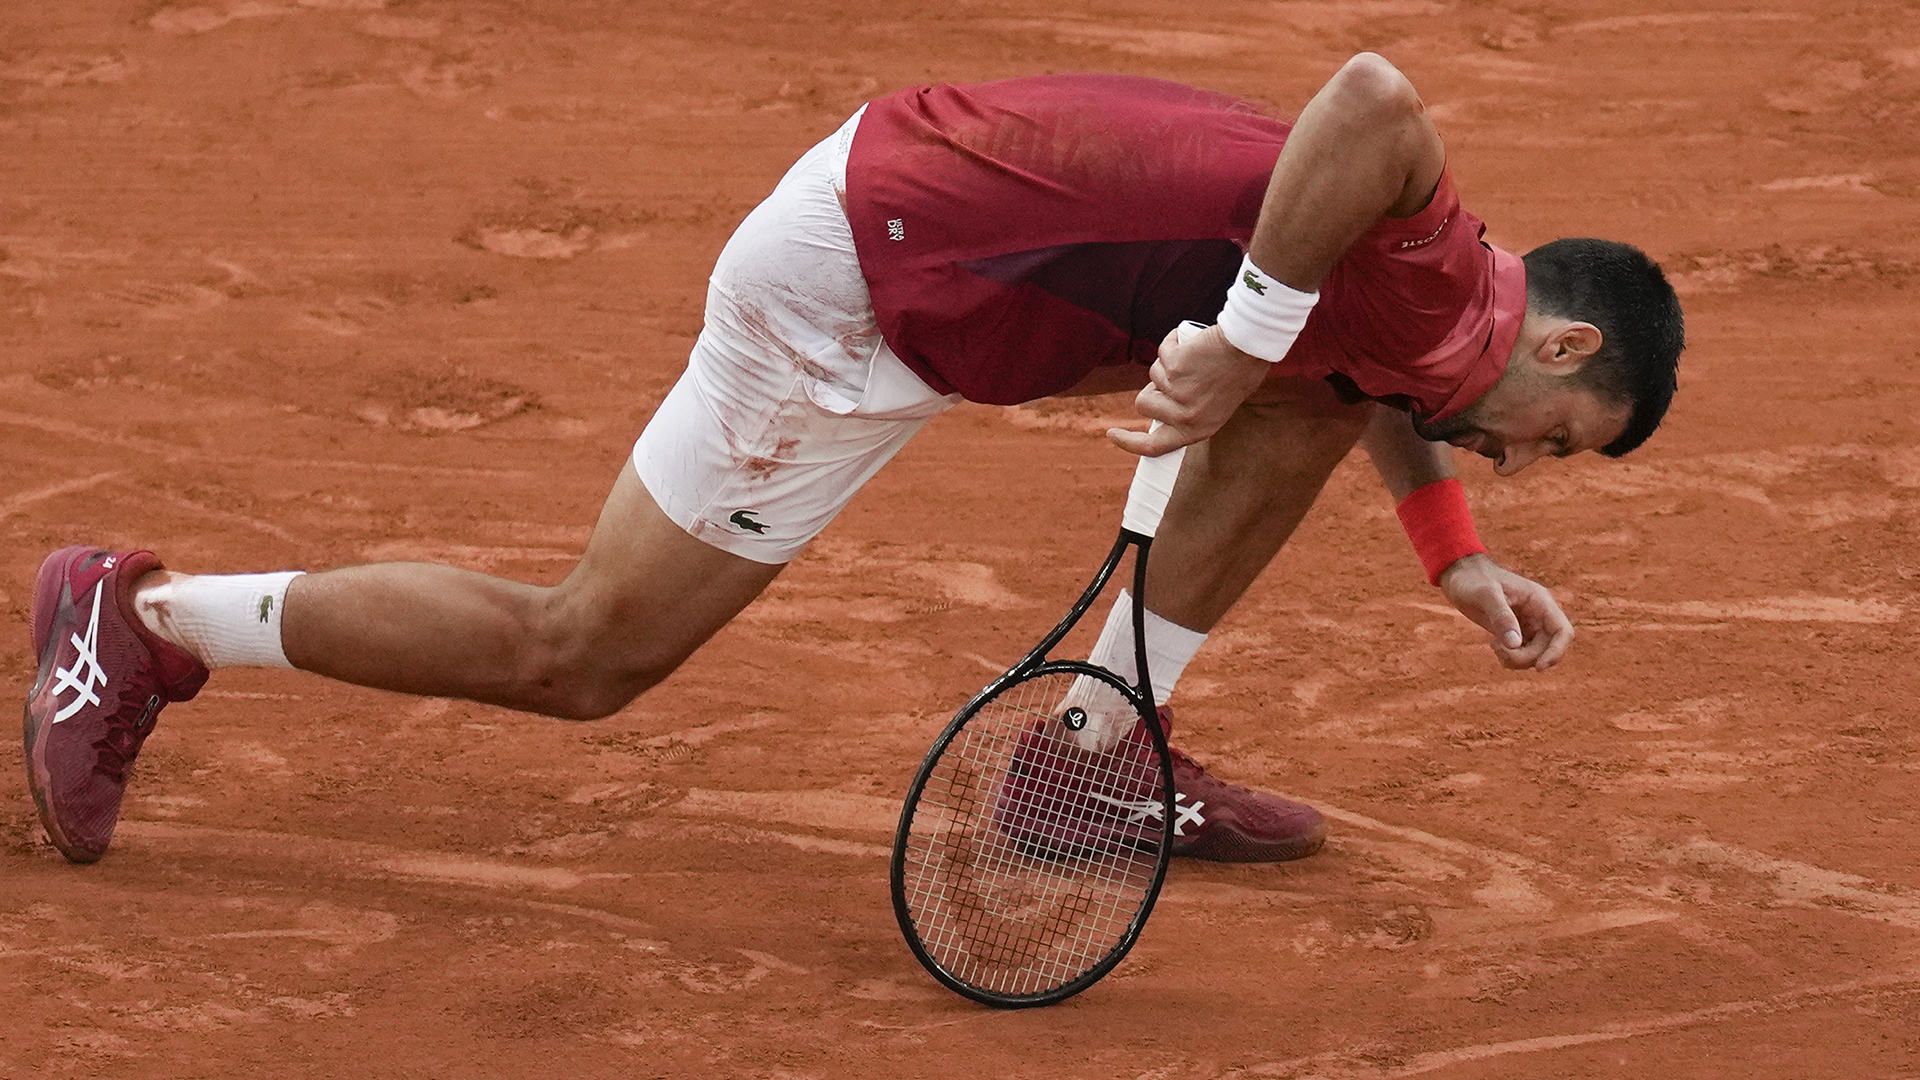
(303, 283)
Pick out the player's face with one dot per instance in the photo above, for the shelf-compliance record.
(1520, 421)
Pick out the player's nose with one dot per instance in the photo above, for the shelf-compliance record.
(1516, 457)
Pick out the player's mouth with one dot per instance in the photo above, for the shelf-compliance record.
(1475, 441)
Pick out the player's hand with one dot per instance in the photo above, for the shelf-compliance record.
(1196, 385)
(1529, 629)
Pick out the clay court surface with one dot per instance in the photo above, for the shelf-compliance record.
(304, 284)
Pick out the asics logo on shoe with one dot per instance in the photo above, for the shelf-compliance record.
(85, 672)
(1186, 815)
(1143, 810)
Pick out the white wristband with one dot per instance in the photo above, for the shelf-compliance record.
(1263, 315)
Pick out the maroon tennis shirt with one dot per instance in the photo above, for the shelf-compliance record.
(1016, 235)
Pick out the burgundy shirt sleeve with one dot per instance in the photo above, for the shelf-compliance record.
(1420, 307)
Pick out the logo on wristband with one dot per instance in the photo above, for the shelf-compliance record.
(1252, 281)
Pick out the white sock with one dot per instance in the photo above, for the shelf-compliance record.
(1169, 647)
(225, 620)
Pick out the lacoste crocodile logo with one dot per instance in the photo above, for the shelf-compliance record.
(1252, 281)
(744, 519)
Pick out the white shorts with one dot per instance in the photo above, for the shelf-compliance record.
(790, 400)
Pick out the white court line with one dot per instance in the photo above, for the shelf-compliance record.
(1805, 885)
(491, 881)
(16, 503)
(374, 860)
(741, 834)
(1442, 843)
(171, 452)
(1803, 608)
(1796, 883)
(167, 451)
(500, 880)
(217, 514)
(1345, 1065)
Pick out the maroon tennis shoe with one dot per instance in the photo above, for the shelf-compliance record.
(103, 679)
(1223, 822)
(1061, 800)
(1064, 801)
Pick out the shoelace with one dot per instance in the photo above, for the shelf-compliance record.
(1181, 757)
(127, 728)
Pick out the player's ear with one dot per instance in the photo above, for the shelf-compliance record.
(1568, 347)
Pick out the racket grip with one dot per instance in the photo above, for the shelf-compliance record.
(1153, 481)
(1153, 478)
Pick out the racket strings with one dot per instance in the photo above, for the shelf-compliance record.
(1030, 854)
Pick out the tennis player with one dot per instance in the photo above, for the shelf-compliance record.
(997, 243)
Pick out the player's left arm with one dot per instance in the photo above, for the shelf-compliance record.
(1528, 628)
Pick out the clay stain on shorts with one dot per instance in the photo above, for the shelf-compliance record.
(754, 319)
(812, 370)
(762, 467)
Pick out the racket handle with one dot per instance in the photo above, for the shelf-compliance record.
(1153, 481)
(1154, 477)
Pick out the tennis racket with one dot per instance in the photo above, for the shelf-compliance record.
(1033, 841)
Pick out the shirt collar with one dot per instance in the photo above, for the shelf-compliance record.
(1509, 280)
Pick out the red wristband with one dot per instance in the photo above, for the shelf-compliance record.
(1440, 525)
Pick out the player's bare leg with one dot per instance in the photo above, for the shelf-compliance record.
(643, 597)
(1243, 492)
(1238, 498)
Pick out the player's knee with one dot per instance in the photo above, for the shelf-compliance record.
(587, 686)
(589, 669)
(574, 695)
(591, 703)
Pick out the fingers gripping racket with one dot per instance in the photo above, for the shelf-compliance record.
(1033, 842)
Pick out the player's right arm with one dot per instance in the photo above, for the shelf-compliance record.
(1527, 627)
(1363, 149)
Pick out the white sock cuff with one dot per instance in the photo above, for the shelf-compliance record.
(227, 620)
(1170, 647)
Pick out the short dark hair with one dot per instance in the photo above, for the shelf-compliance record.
(1618, 289)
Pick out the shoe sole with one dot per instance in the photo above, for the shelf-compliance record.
(1224, 844)
(47, 584)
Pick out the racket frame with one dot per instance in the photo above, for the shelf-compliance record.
(1032, 665)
